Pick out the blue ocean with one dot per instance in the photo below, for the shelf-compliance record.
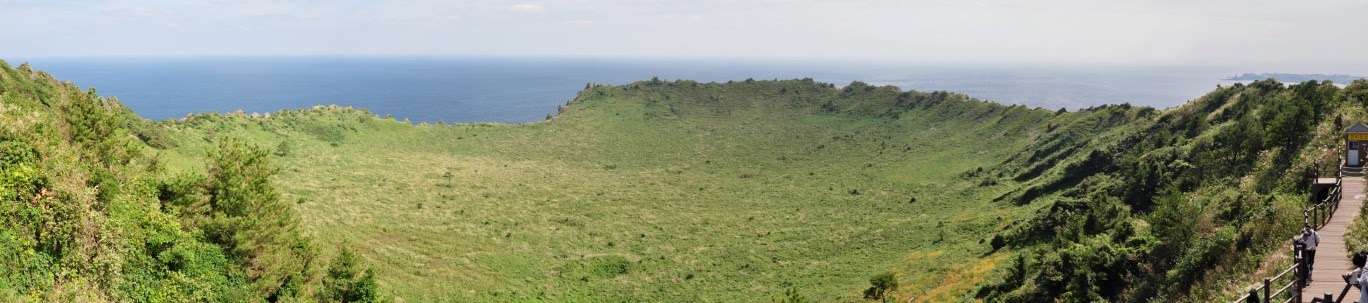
(517, 90)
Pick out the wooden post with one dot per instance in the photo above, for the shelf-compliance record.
(1253, 295)
(1301, 270)
(1306, 216)
(1329, 297)
(1298, 271)
(1296, 292)
(1267, 289)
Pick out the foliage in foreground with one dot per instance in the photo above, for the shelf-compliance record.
(89, 216)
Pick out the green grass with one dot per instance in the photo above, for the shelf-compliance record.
(656, 191)
(735, 200)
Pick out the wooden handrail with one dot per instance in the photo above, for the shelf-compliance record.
(1317, 215)
(1329, 205)
(1285, 272)
(1285, 289)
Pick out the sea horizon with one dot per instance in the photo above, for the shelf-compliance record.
(509, 89)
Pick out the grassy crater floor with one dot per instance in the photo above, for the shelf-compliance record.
(647, 195)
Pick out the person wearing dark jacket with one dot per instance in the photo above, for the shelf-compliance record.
(1311, 239)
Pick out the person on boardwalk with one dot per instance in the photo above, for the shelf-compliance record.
(1311, 239)
(1359, 277)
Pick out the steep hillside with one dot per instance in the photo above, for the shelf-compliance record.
(1167, 205)
(88, 216)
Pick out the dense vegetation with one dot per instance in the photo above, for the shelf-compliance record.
(1164, 205)
(90, 215)
(790, 190)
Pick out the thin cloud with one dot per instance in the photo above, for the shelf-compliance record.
(1217, 32)
(527, 8)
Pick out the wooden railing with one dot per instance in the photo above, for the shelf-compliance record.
(1330, 297)
(1292, 288)
(1316, 215)
(1328, 170)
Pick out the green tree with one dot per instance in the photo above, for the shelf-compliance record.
(880, 285)
(97, 128)
(1356, 93)
(347, 281)
(247, 218)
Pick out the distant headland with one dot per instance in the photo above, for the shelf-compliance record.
(1293, 78)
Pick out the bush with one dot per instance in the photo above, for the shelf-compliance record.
(347, 281)
(880, 285)
(283, 149)
(150, 133)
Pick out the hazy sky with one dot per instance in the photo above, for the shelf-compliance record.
(1245, 33)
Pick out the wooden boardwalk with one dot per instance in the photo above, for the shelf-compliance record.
(1332, 260)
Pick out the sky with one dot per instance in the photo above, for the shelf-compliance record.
(1296, 36)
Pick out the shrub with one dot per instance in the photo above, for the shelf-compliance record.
(880, 285)
(152, 134)
(347, 281)
(283, 149)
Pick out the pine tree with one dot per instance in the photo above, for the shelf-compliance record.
(247, 218)
(347, 282)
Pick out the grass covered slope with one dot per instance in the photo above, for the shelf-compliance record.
(684, 191)
(88, 216)
(660, 191)
(670, 191)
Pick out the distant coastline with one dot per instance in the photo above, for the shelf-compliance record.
(520, 90)
(1294, 78)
